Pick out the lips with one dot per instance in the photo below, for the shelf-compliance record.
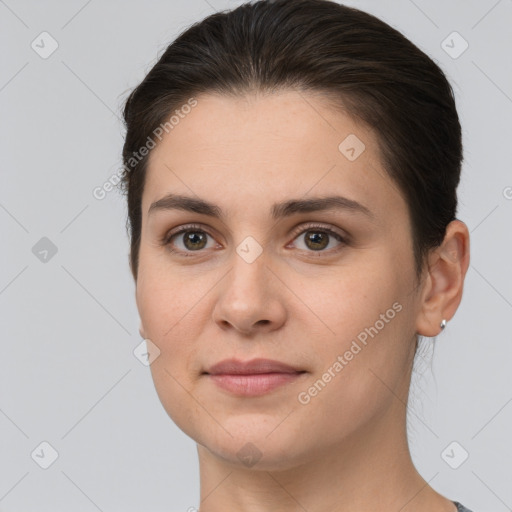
(252, 378)
(252, 367)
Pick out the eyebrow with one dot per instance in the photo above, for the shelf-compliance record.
(278, 210)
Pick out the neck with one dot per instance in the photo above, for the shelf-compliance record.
(371, 470)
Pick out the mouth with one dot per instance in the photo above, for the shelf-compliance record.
(252, 378)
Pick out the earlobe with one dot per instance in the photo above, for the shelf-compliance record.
(447, 267)
(141, 331)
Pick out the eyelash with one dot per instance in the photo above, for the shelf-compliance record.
(166, 240)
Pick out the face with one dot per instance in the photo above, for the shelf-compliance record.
(259, 263)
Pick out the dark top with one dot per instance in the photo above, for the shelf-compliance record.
(461, 508)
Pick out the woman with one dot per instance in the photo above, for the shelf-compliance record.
(291, 171)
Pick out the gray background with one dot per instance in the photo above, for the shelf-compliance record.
(69, 324)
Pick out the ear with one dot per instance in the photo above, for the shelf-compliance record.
(447, 267)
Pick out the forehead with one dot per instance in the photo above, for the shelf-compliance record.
(258, 147)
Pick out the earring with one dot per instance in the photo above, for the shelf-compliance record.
(443, 323)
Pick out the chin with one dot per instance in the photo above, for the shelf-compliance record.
(257, 456)
(251, 443)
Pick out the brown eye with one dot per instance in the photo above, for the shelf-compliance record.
(319, 239)
(188, 240)
(194, 240)
(316, 240)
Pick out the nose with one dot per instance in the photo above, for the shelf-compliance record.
(250, 299)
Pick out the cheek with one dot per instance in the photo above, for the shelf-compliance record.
(166, 308)
(175, 307)
(351, 298)
(162, 296)
(366, 358)
(368, 311)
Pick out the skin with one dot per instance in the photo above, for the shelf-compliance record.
(346, 449)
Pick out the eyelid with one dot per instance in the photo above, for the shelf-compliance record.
(181, 229)
(331, 230)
